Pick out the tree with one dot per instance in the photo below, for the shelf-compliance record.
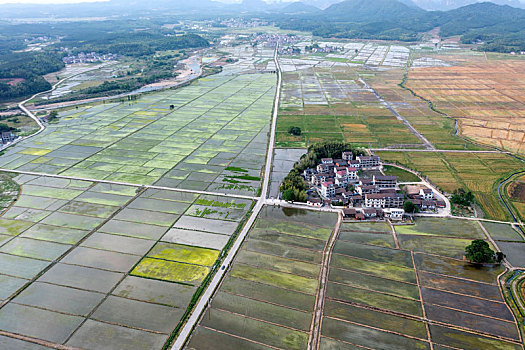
(294, 130)
(500, 256)
(462, 197)
(53, 116)
(410, 207)
(479, 252)
(288, 195)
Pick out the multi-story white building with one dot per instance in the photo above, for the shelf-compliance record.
(384, 200)
(328, 189)
(426, 194)
(369, 161)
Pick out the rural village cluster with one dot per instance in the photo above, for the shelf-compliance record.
(359, 186)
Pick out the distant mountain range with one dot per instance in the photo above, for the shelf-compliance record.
(208, 7)
(499, 27)
(443, 5)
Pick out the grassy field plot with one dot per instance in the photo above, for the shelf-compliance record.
(442, 227)
(503, 232)
(378, 239)
(110, 245)
(478, 173)
(268, 296)
(369, 337)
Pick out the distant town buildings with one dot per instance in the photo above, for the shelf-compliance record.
(271, 40)
(242, 23)
(315, 48)
(90, 57)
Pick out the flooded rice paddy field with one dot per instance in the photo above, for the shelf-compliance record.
(217, 124)
(380, 293)
(419, 293)
(106, 265)
(267, 298)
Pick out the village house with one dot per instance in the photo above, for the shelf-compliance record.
(7, 137)
(385, 181)
(327, 189)
(369, 161)
(384, 200)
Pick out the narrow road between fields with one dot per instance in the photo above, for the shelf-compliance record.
(399, 117)
(206, 297)
(435, 150)
(315, 337)
(154, 187)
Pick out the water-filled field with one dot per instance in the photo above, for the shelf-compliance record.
(106, 265)
(382, 297)
(267, 298)
(190, 138)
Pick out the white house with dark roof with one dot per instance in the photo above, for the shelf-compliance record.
(328, 189)
(369, 161)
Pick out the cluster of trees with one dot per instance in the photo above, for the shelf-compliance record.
(410, 207)
(462, 197)
(28, 66)
(52, 117)
(294, 187)
(135, 44)
(5, 128)
(294, 130)
(479, 252)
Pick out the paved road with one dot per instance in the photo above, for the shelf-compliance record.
(447, 211)
(399, 117)
(206, 297)
(515, 291)
(132, 184)
(190, 77)
(433, 150)
(503, 199)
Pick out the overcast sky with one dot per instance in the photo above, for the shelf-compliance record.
(43, 1)
(73, 1)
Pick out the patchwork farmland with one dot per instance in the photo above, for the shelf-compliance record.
(487, 99)
(477, 172)
(213, 139)
(268, 297)
(382, 297)
(107, 264)
(331, 104)
(151, 194)
(387, 287)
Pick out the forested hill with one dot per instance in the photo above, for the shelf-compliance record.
(501, 28)
(21, 73)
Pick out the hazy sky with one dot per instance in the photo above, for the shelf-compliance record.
(43, 1)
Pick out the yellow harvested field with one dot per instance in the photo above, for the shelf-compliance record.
(488, 99)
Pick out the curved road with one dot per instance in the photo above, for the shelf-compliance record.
(206, 297)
